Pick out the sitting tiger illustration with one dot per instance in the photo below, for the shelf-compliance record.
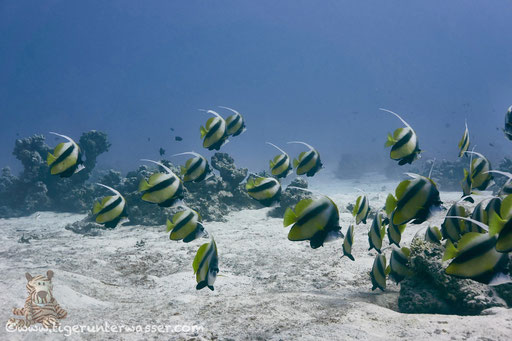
(40, 305)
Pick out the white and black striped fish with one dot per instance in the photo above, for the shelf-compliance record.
(309, 162)
(467, 187)
(453, 228)
(347, 242)
(214, 134)
(464, 142)
(433, 235)
(361, 209)
(377, 231)
(164, 189)
(206, 265)
(186, 225)
(398, 264)
(415, 199)
(479, 214)
(379, 272)
(66, 159)
(479, 172)
(316, 220)
(111, 209)
(196, 168)
(474, 257)
(404, 143)
(280, 165)
(395, 232)
(508, 124)
(267, 191)
(235, 124)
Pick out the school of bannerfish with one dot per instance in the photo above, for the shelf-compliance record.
(477, 243)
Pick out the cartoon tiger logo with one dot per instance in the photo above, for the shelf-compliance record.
(40, 305)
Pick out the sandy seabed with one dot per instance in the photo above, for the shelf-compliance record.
(270, 288)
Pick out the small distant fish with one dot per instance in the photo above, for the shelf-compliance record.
(66, 159)
(415, 199)
(111, 209)
(398, 264)
(379, 272)
(164, 189)
(186, 225)
(361, 209)
(491, 144)
(474, 257)
(316, 220)
(162, 151)
(280, 165)
(308, 162)
(206, 265)
(347, 243)
(464, 142)
(178, 138)
(235, 124)
(452, 228)
(433, 235)
(196, 168)
(214, 135)
(377, 231)
(266, 191)
(172, 129)
(508, 124)
(149, 139)
(404, 143)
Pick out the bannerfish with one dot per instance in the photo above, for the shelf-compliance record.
(235, 124)
(508, 124)
(66, 159)
(453, 228)
(280, 165)
(395, 232)
(507, 187)
(266, 191)
(196, 168)
(206, 265)
(164, 189)
(500, 224)
(377, 231)
(186, 225)
(379, 272)
(361, 209)
(398, 264)
(404, 143)
(479, 214)
(316, 220)
(464, 142)
(474, 257)
(111, 209)
(494, 206)
(415, 200)
(479, 172)
(433, 235)
(347, 243)
(214, 135)
(178, 138)
(309, 162)
(467, 187)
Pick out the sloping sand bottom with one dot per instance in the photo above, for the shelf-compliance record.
(270, 288)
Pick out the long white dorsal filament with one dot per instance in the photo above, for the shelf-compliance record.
(304, 143)
(401, 119)
(63, 136)
(431, 169)
(211, 112)
(483, 157)
(273, 145)
(507, 174)
(482, 225)
(188, 153)
(110, 188)
(233, 110)
(160, 164)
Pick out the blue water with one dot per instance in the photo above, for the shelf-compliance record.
(298, 70)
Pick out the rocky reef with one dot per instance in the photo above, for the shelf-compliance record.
(290, 197)
(432, 291)
(36, 190)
